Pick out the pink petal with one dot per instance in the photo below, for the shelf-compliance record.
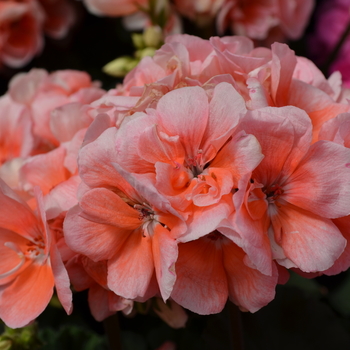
(104, 206)
(313, 243)
(201, 283)
(95, 240)
(282, 67)
(248, 288)
(184, 112)
(26, 297)
(321, 183)
(165, 252)
(131, 269)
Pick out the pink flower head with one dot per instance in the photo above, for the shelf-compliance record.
(31, 264)
(255, 18)
(138, 241)
(42, 93)
(296, 190)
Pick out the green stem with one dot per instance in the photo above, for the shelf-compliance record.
(112, 330)
(333, 55)
(237, 340)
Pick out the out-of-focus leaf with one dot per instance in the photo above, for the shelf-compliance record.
(295, 321)
(71, 337)
(340, 297)
(133, 341)
(309, 286)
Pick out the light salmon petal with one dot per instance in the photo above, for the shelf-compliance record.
(44, 170)
(241, 155)
(62, 198)
(68, 119)
(165, 252)
(17, 217)
(106, 207)
(143, 184)
(321, 183)
(62, 283)
(95, 162)
(201, 283)
(126, 147)
(131, 269)
(225, 109)
(248, 288)
(184, 112)
(99, 302)
(251, 238)
(77, 274)
(155, 146)
(206, 219)
(311, 242)
(282, 67)
(97, 241)
(26, 297)
(343, 262)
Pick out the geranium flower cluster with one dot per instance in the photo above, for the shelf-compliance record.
(210, 172)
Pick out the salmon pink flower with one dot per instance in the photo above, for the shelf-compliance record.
(296, 190)
(130, 229)
(31, 265)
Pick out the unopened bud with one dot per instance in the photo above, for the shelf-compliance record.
(5, 344)
(153, 37)
(120, 66)
(138, 40)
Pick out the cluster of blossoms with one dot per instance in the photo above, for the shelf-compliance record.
(210, 172)
(22, 24)
(256, 19)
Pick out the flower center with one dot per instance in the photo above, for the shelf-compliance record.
(273, 192)
(35, 249)
(195, 163)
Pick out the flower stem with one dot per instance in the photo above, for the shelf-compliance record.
(112, 330)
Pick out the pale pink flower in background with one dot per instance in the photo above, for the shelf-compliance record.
(59, 17)
(171, 313)
(22, 27)
(200, 11)
(42, 93)
(31, 264)
(114, 8)
(20, 31)
(255, 18)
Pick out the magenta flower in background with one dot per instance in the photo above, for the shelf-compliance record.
(332, 20)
